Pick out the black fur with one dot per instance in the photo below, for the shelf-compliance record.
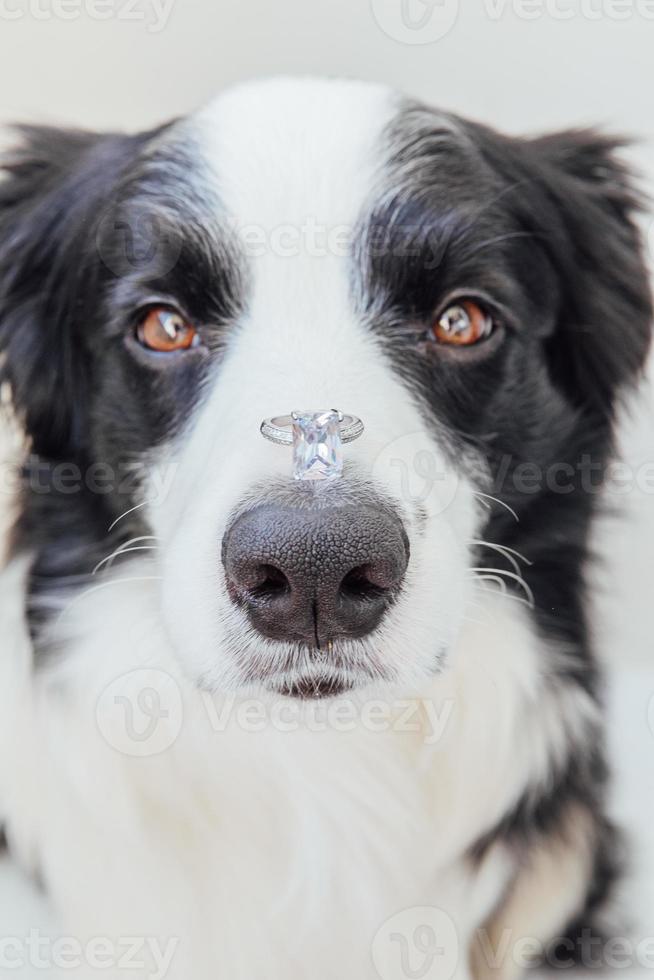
(92, 229)
(545, 229)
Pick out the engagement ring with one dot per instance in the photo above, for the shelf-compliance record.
(317, 439)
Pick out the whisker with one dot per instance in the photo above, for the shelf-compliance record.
(511, 511)
(125, 547)
(125, 513)
(509, 553)
(492, 578)
(501, 238)
(513, 551)
(510, 575)
(505, 595)
(123, 551)
(500, 194)
(497, 548)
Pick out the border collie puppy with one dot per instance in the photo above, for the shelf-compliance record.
(284, 727)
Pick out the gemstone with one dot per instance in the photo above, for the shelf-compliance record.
(317, 447)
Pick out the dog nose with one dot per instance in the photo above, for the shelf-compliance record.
(312, 576)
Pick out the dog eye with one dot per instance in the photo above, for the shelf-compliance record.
(462, 324)
(163, 329)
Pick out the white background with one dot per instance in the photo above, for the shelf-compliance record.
(525, 67)
(495, 64)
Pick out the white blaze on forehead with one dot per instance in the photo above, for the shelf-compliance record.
(281, 154)
(294, 161)
(287, 149)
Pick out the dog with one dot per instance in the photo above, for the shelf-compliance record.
(283, 726)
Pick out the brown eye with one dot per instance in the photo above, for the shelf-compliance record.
(165, 330)
(462, 324)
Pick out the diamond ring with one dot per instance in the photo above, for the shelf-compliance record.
(317, 439)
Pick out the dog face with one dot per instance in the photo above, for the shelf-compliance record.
(477, 301)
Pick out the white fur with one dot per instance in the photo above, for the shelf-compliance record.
(266, 849)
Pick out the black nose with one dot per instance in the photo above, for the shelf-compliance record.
(312, 576)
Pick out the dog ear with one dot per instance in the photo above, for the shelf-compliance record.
(41, 218)
(53, 191)
(592, 238)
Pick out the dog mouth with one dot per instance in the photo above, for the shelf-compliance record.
(317, 688)
(309, 673)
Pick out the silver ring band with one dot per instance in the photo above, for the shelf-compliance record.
(278, 428)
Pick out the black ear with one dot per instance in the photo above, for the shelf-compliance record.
(53, 189)
(605, 317)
